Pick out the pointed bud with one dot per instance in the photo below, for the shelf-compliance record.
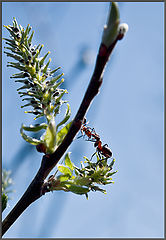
(111, 28)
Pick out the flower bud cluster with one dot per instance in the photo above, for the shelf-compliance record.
(39, 88)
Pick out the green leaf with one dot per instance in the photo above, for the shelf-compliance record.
(57, 100)
(15, 24)
(62, 133)
(30, 38)
(31, 140)
(53, 71)
(78, 189)
(43, 58)
(54, 79)
(63, 177)
(35, 128)
(67, 116)
(49, 137)
(46, 66)
(4, 201)
(19, 75)
(112, 163)
(83, 181)
(110, 174)
(58, 84)
(64, 170)
(68, 162)
(96, 188)
(16, 57)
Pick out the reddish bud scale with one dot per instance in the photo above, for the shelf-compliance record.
(41, 148)
(120, 36)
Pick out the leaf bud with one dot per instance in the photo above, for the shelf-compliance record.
(111, 28)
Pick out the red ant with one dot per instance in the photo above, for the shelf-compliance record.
(94, 137)
(104, 150)
(89, 132)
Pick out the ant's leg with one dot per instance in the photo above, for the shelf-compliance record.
(92, 156)
(90, 140)
(79, 137)
(105, 145)
(100, 155)
(100, 161)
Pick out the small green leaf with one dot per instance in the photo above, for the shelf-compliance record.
(35, 128)
(58, 84)
(76, 172)
(63, 177)
(43, 58)
(60, 96)
(53, 71)
(67, 116)
(112, 163)
(110, 174)
(30, 38)
(64, 170)
(62, 133)
(78, 189)
(83, 181)
(54, 79)
(31, 140)
(15, 24)
(49, 137)
(19, 75)
(46, 66)
(68, 162)
(16, 57)
(96, 188)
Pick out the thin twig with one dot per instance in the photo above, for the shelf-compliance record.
(34, 191)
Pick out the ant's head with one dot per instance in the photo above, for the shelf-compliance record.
(84, 121)
(97, 137)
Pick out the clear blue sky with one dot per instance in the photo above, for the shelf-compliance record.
(128, 114)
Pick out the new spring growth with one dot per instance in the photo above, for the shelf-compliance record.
(40, 86)
(112, 29)
(43, 95)
(81, 180)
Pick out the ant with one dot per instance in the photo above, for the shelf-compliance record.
(102, 149)
(94, 137)
(89, 132)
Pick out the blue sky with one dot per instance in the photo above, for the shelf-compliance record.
(128, 113)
